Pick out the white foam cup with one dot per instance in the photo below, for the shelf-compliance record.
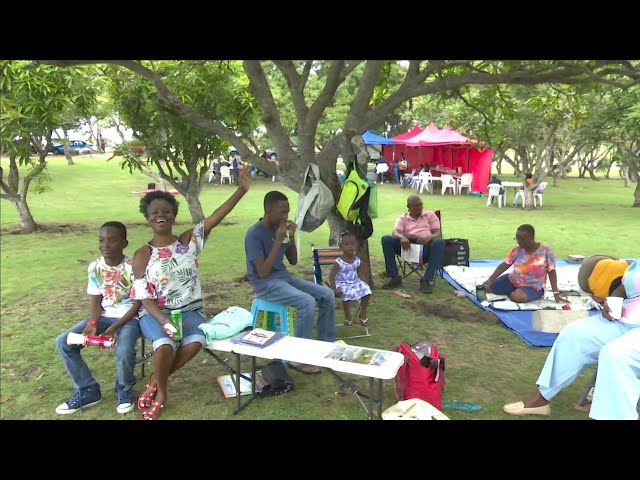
(615, 305)
(75, 339)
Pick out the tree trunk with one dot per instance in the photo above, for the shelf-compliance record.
(67, 149)
(556, 178)
(27, 223)
(636, 195)
(528, 198)
(195, 209)
(365, 263)
(336, 226)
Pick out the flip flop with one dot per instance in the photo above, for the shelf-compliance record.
(364, 322)
(464, 406)
(401, 293)
(304, 368)
(148, 395)
(348, 323)
(153, 412)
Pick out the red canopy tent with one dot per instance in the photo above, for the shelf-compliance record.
(448, 149)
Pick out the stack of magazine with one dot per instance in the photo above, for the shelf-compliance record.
(365, 356)
(257, 337)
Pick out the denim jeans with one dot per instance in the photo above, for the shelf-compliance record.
(154, 332)
(432, 253)
(125, 351)
(303, 296)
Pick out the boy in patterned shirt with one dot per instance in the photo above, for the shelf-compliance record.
(112, 310)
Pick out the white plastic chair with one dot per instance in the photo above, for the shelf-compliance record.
(494, 191)
(225, 172)
(425, 180)
(448, 182)
(538, 194)
(465, 182)
(381, 169)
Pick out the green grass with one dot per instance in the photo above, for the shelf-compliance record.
(43, 282)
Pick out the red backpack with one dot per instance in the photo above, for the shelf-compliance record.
(421, 378)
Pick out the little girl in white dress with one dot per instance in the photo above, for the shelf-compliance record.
(346, 282)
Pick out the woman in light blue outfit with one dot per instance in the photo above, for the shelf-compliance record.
(614, 344)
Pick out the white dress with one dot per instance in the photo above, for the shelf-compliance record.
(348, 282)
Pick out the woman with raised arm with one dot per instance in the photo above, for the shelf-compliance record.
(167, 279)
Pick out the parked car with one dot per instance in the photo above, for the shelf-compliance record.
(79, 146)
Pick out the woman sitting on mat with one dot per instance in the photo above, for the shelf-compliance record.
(346, 281)
(531, 262)
(614, 344)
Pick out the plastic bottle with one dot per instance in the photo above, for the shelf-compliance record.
(176, 320)
(481, 295)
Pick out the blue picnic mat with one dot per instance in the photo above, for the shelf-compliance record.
(518, 321)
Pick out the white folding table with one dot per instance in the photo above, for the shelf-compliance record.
(313, 352)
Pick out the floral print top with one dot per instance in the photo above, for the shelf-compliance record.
(114, 284)
(530, 269)
(172, 276)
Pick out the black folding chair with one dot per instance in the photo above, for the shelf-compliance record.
(327, 256)
(419, 268)
(145, 357)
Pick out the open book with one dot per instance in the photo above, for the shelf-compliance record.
(413, 254)
(228, 387)
(258, 337)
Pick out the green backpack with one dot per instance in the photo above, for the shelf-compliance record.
(352, 192)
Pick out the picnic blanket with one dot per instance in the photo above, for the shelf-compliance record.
(518, 317)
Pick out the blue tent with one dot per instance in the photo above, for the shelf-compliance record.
(371, 138)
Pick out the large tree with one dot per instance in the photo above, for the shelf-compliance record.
(365, 109)
(181, 151)
(36, 100)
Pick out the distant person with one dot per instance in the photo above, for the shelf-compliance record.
(346, 280)
(180, 183)
(103, 145)
(416, 226)
(113, 312)
(381, 169)
(236, 164)
(495, 180)
(528, 180)
(403, 165)
(266, 244)
(532, 261)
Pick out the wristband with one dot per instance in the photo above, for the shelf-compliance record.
(92, 322)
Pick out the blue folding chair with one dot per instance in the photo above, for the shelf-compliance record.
(323, 256)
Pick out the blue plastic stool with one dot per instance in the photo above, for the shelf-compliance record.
(269, 311)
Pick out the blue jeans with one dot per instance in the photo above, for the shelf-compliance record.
(433, 253)
(503, 286)
(154, 332)
(303, 296)
(125, 350)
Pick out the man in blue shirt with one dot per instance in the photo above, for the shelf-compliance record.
(266, 244)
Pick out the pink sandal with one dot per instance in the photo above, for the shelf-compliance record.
(148, 395)
(153, 412)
